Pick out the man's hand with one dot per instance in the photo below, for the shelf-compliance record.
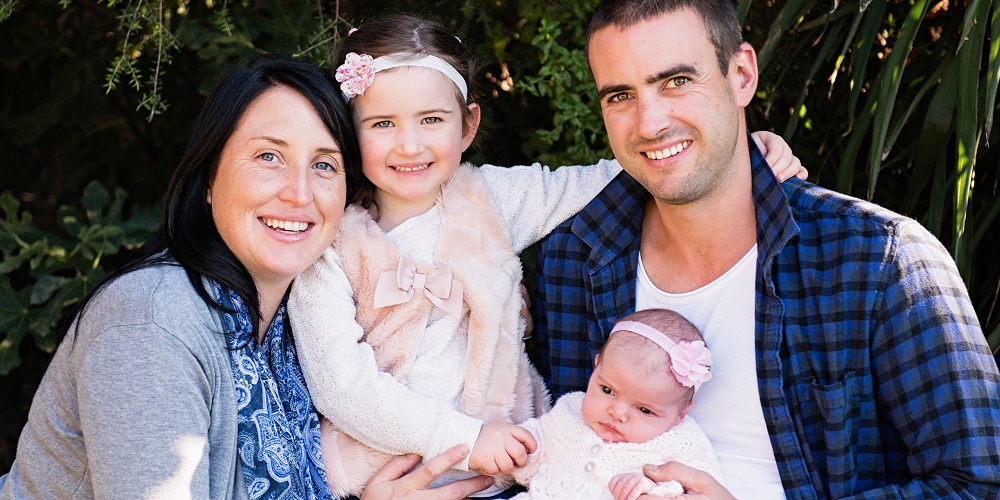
(392, 481)
(696, 483)
(501, 447)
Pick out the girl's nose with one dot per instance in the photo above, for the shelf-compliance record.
(618, 412)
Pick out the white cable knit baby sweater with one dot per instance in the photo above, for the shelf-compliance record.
(572, 462)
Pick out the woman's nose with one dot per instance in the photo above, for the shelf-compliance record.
(296, 189)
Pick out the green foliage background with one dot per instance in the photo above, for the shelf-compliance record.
(887, 100)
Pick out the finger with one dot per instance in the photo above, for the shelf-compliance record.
(504, 463)
(803, 172)
(431, 469)
(394, 468)
(463, 488)
(526, 439)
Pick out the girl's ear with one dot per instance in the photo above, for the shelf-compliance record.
(471, 126)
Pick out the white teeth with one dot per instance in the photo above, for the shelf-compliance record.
(286, 225)
(412, 169)
(667, 153)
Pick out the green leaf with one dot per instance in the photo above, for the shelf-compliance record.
(45, 287)
(95, 197)
(890, 77)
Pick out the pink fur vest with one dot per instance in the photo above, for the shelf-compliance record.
(499, 382)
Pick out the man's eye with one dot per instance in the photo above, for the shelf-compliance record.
(679, 81)
(619, 97)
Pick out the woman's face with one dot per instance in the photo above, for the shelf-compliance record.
(278, 194)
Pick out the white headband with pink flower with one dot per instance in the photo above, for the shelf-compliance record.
(691, 362)
(358, 71)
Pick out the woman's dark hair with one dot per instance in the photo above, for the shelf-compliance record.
(407, 34)
(188, 233)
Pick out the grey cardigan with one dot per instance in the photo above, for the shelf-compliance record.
(137, 403)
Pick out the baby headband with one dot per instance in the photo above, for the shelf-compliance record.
(358, 71)
(691, 362)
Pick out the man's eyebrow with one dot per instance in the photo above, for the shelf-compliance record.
(671, 72)
(658, 77)
(610, 89)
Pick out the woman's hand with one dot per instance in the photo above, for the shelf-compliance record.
(779, 155)
(392, 481)
(696, 483)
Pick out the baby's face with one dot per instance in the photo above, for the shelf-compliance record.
(625, 404)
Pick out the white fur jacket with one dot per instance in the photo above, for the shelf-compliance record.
(486, 216)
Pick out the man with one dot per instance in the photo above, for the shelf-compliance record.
(848, 358)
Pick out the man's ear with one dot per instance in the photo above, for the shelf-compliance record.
(471, 126)
(743, 74)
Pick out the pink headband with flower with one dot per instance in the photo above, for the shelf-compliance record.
(358, 71)
(691, 362)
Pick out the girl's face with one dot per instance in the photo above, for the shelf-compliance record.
(278, 195)
(410, 127)
(622, 405)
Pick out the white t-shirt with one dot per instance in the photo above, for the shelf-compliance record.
(727, 406)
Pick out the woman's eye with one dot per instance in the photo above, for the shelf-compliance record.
(268, 157)
(431, 119)
(382, 124)
(325, 166)
(606, 390)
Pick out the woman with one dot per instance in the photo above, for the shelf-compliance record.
(179, 377)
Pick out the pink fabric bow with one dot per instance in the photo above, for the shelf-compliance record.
(399, 286)
(356, 74)
(691, 363)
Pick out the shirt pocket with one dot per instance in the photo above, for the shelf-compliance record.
(831, 415)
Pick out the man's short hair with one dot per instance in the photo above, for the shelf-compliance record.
(719, 17)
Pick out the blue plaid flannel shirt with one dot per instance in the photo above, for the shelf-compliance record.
(874, 374)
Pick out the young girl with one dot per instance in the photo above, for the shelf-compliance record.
(593, 445)
(409, 326)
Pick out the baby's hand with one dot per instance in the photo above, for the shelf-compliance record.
(630, 485)
(501, 447)
(778, 154)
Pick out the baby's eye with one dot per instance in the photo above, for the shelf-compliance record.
(606, 390)
(382, 124)
(268, 157)
(645, 410)
(431, 119)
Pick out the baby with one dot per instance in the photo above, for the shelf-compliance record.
(593, 445)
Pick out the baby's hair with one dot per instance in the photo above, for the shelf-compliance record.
(402, 33)
(647, 355)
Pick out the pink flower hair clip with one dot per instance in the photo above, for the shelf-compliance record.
(356, 74)
(691, 363)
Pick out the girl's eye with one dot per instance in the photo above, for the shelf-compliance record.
(606, 390)
(382, 124)
(268, 157)
(431, 119)
(645, 410)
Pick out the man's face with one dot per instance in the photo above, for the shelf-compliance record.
(673, 119)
